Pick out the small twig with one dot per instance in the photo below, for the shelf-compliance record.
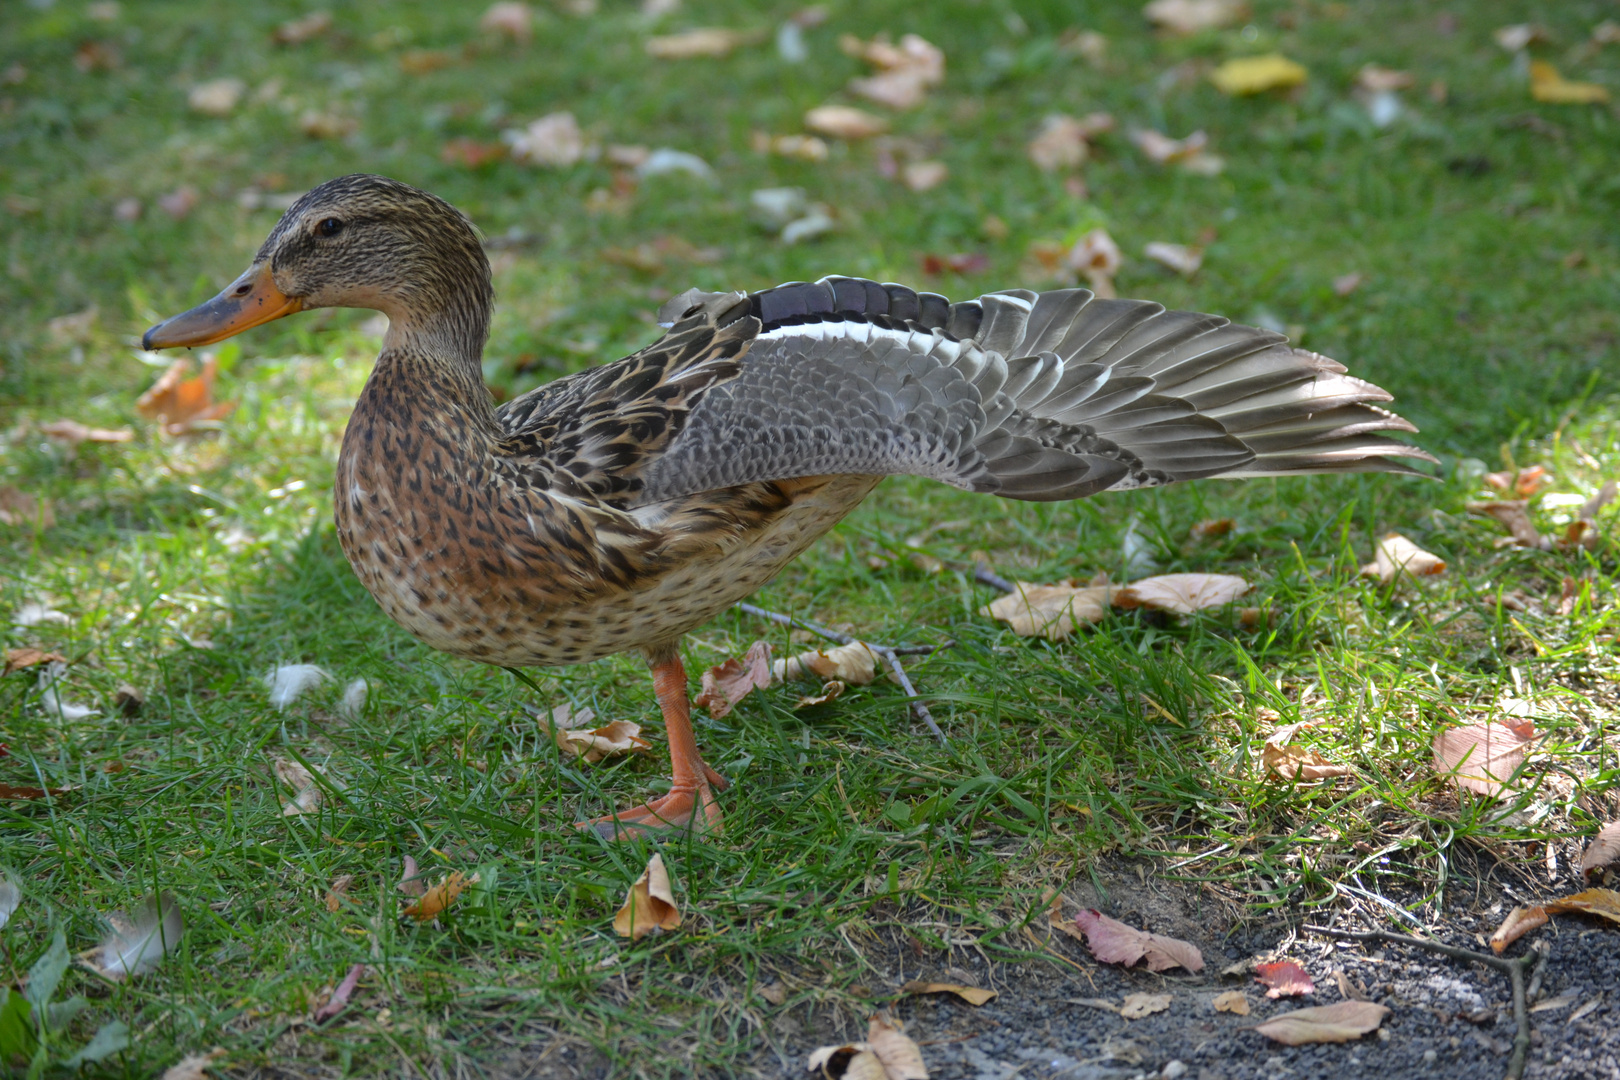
(1515, 970)
(986, 576)
(890, 658)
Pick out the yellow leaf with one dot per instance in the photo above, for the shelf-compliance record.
(1549, 86)
(1257, 74)
(650, 905)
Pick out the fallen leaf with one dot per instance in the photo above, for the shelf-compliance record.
(14, 791)
(1062, 143)
(18, 659)
(775, 993)
(353, 702)
(410, 880)
(707, 42)
(1519, 921)
(1113, 942)
(973, 995)
(1514, 516)
(93, 56)
(1183, 594)
(906, 72)
(1600, 498)
(184, 404)
(595, 744)
(650, 906)
(901, 1058)
(1523, 482)
(1604, 903)
(1192, 16)
(193, 1066)
(216, 97)
(1395, 555)
(425, 61)
(1050, 611)
(1256, 74)
(1345, 284)
(1284, 978)
(851, 663)
(432, 903)
(10, 899)
(307, 791)
(71, 431)
(1137, 1006)
(1097, 257)
(339, 892)
(1210, 529)
(1519, 36)
(305, 28)
(510, 19)
(924, 175)
(1340, 1022)
(554, 141)
(136, 944)
(1191, 153)
(322, 124)
(1295, 762)
(20, 508)
(1602, 856)
(471, 153)
(799, 147)
(724, 685)
(1376, 79)
(844, 122)
(1480, 757)
(289, 682)
(1606, 32)
(180, 202)
(340, 997)
(1182, 258)
(968, 262)
(1233, 1001)
(1547, 85)
(1089, 45)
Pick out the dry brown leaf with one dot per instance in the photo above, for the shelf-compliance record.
(14, 791)
(1248, 75)
(17, 659)
(973, 995)
(1233, 1001)
(830, 691)
(775, 993)
(471, 153)
(339, 892)
(1292, 761)
(650, 905)
(193, 1066)
(1136, 1006)
(1192, 16)
(1183, 594)
(1050, 611)
(594, 744)
(724, 685)
(1210, 529)
(1097, 257)
(509, 18)
(184, 404)
(21, 508)
(425, 61)
(1182, 258)
(322, 124)
(555, 141)
(307, 794)
(307, 28)
(1547, 85)
(906, 72)
(1520, 36)
(410, 881)
(1345, 284)
(1339, 1022)
(1113, 942)
(1523, 482)
(71, 431)
(1481, 757)
(1602, 856)
(844, 122)
(1604, 903)
(431, 904)
(924, 175)
(1395, 556)
(1191, 153)
(216, 97)
(800, 147)
(851, 663)
(901, 1058)
(1375, 79)
(1519, 921)
(1284, 978)
(1514, 516)
(1062, 143)
(712, 41)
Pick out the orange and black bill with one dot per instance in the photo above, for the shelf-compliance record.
(249, 301)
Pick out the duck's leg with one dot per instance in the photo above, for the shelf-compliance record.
(690, 803)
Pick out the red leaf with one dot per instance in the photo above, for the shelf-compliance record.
(724, 685)
(1285, 978)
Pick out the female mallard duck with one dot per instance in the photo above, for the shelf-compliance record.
(622, 506)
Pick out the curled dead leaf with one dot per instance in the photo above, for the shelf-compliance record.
(432, 903)
(1064, 142)
(851, 663)
(594, 744)
(1395, 556)
(1514, 516)
(410, 881)
(306, 28)
(1603, 903)
(1183, 594)
(973, 995)
(182, 404)
(724, 685)
(1292, 761)
(1050, 611)
(555, 141)
(1602, 858)
(339, 892)
(1340, 1022)
(650, 905)
(1481, 757)
(1114, 942)
(830, 691)
(1519, 922)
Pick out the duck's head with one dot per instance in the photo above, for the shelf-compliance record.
(357, 241)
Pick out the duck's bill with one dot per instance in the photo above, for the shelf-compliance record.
(251, 300)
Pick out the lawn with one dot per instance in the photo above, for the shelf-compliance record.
(1482, 224)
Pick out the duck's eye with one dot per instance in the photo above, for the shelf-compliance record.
(329, 227)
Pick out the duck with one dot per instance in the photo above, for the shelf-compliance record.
(620, 507)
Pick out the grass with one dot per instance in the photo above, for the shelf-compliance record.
(190, 568)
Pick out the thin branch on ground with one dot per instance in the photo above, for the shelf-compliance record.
(889, 656)
(1515, 970)
(986, 576)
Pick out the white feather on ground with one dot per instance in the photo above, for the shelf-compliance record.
(136, 944)
(289, 682)
(353, 702)
(10, 899)
(50, 695)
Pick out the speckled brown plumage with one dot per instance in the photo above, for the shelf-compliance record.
(620, 507)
